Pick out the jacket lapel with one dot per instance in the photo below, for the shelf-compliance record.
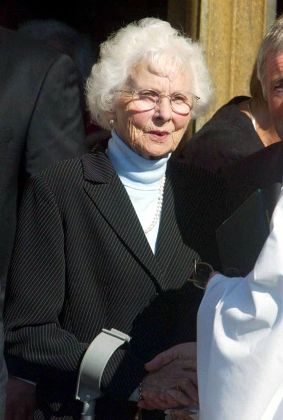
(168, 230)
(105, 189)
(176, 220)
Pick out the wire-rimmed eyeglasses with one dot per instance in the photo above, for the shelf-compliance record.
(201, 274)
(147, 99)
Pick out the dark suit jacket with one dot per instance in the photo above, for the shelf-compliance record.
(82, 262)
(40, 121)
(263, 169)
(226, 138)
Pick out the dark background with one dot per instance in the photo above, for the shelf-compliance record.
(279, 9)
(95, 17)
(98, 18)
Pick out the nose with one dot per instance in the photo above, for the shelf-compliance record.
(163, 108)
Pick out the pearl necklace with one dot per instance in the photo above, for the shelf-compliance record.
(158, 207)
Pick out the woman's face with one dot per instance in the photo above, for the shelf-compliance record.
(152, 133)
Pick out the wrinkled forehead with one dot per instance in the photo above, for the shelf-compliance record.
(169, 68)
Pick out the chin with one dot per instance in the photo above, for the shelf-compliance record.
(158, 153)
(154, 151)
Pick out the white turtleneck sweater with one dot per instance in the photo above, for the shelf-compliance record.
(142, 179)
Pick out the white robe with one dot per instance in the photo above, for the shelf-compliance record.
(240, 338)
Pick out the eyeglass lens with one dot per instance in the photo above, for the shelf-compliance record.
(148, 101)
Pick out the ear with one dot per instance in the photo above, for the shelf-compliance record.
(111, 115)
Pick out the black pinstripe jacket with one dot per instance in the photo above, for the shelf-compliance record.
(82, 262)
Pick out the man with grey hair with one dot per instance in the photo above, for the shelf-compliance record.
(246, 124)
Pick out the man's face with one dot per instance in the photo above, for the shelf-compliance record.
(273, 82)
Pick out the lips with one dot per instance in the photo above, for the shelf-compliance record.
(159, 134)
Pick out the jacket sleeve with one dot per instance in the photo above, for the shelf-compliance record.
(36, 344)
(56, 129)
(3, 373)
(37, 347)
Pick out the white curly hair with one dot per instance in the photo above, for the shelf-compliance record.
(156, 41)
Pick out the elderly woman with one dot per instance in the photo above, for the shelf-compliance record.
(109, 240)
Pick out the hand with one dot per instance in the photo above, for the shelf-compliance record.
(20, 400)
(185, 351)
(170, 384)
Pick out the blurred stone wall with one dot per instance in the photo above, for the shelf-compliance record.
(230, 32)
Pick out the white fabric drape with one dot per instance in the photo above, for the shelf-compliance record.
(240, 338)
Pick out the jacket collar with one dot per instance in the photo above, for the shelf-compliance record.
(97, 167)
(108, 194)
